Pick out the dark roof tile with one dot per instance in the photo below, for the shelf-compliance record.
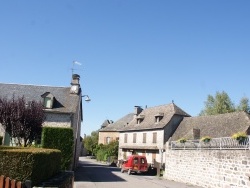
(222, 125)
(64, 101)
(119, 124)
(149, 114)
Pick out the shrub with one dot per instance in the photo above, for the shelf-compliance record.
(182, 140)
(35, 164)
(206, 139)
(109, 151)
(240, 136)
(62, 139)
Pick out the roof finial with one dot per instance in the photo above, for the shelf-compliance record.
(173, 101)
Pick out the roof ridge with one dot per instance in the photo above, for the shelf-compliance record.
(228, 113)
(159, 106)
(34, 85)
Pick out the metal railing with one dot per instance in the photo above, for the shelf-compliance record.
(223, 143)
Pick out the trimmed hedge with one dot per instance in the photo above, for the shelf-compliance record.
(62, 139)
(35, 164)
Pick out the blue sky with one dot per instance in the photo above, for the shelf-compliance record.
(133, 52)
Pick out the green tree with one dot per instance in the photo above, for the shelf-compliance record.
(103, 152)
(244, 105)
(221, 104)
(91, 142)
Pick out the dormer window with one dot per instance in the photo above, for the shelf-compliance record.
(158, 117)
(139, 119)
(48, 100)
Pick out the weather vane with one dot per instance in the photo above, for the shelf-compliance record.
(73, 64)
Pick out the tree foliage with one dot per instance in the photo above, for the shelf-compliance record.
(22, 120)
(221, 104)
(244, 105)
(91, 142)
(101, 151)
(109, 150)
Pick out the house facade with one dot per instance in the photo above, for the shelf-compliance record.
(149, 130)
(62, 106)
(110, 130)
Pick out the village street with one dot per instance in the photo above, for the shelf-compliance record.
(91, 173)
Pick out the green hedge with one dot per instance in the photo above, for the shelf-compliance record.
(62, 139)
(35, 164)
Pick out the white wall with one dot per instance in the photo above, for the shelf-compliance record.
(139, 144)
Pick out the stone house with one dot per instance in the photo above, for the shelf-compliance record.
(149, 130)
(215, 126)
(62, 106)
(110, 130)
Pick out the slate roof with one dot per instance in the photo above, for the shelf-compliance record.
(105, 123)
(64, 101)
(149, 114)
(222, 125)
(119, 124)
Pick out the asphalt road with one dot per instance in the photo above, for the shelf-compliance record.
(91, 173)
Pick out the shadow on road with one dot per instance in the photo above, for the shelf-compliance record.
(92, 172)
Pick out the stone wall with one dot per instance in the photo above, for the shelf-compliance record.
(103, 135)
(209, 168)
(57, 120)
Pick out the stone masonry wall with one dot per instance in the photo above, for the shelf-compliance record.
(57, 120)
(103, 135)
(209, 168)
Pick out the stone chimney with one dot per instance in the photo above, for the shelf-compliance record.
(138, 110)
(75, 84)
(196, 134)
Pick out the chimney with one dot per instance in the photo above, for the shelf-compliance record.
(138, 110)
(196, 134)
(75, 84)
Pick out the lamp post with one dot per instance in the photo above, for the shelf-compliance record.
(77, 126)
(87, 98)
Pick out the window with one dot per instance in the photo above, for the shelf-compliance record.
(48, 100)
(142, 161)
(158, 117)
(139, 119)
(144, 138)
(125, 138)
(154, 137)
(107, 140)
(134, 137)
(136, 160)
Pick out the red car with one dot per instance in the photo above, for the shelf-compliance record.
(135, 163)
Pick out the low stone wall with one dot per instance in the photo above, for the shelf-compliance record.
(209, 168)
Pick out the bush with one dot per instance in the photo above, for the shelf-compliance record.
(35, 164)
(206, 139)
(62, 139)
(101, 155)
(107, 152)
(182, 140)
(239, 136)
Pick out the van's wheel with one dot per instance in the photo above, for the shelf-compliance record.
(122, 170)
(129, 171)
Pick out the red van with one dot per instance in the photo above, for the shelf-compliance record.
(135, 163)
